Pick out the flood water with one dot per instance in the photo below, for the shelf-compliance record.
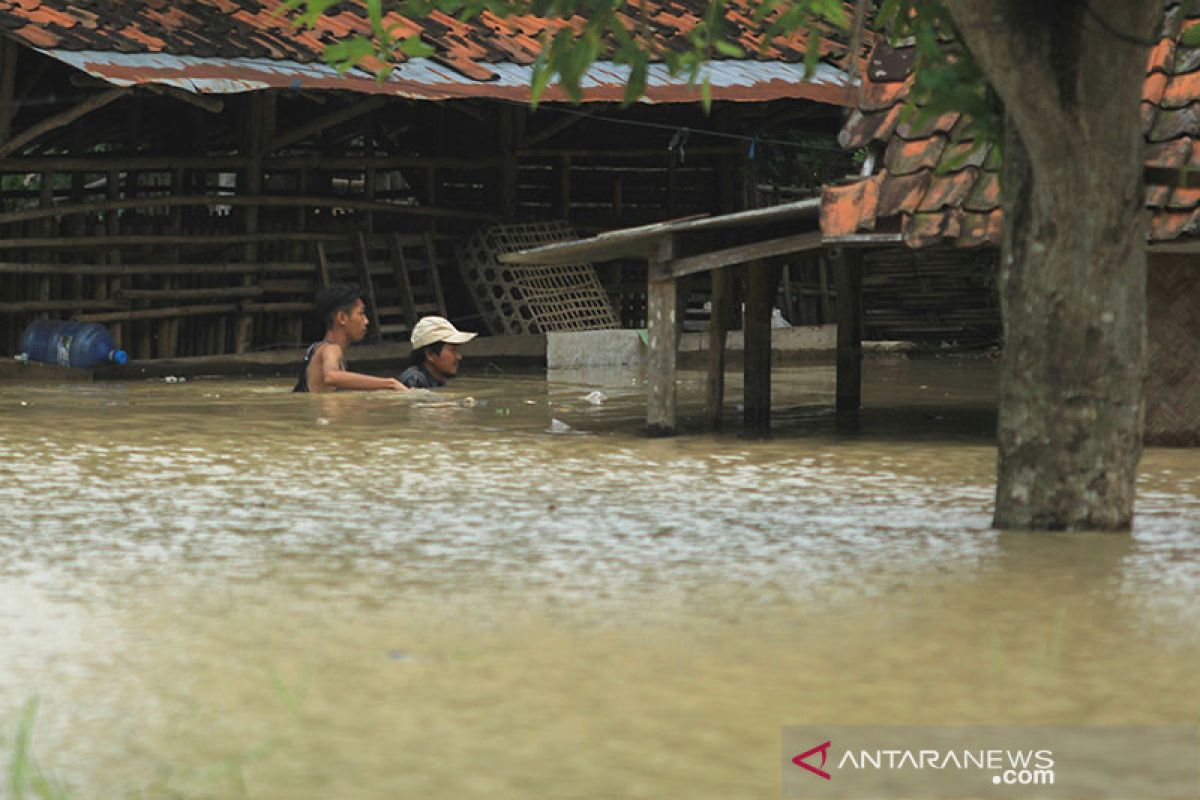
(219, 589)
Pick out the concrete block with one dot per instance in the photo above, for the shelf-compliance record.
(607, 348)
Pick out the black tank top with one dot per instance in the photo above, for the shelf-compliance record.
(302, 383)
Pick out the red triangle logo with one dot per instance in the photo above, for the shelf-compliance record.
(823, 749)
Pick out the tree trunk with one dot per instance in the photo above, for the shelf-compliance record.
(1073, 263)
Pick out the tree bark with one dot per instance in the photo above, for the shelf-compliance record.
(1073, 263)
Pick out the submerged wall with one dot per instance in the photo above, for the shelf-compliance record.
(1173, 382)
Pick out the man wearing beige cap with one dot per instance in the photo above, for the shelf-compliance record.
(435, 357)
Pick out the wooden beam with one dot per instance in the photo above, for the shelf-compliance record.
(183, 295)
(228, 268)
(107, 242)
(302, 132)
(8, 86)
(251, 200)
(555, 128)
(662, 324)
(23, 165)
(746, 252)
(213, 105)
(159, 313)
(38, 306)
(60, 120)
(847, 264)
(761, 281)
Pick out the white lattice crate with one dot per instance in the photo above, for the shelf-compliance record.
(532, 298)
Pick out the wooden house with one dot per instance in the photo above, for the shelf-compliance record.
(188, 173)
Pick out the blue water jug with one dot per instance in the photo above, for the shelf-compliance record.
(72, 344)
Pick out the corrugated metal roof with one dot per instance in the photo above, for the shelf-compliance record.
(219, 46)
(428, 79)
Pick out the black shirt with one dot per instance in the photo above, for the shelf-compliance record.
(302, 382)
(419, 378)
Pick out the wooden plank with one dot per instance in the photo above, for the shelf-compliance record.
(662, 324)
(746, 252)
(637, 241)
(847, 264)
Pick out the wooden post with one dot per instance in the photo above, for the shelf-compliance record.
(823, 281)
(662, 324)
(761, 281)
(718, 324)
(45, 198)
(168, 329)
(112, 227)
(564, 188)
(260, 128)
(848, 265)
(8, 87)
(509, 136)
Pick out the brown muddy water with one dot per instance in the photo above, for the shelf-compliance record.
(219, 589)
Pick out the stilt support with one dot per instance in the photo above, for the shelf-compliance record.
(662, 323)
(762, 280)
(848, 267)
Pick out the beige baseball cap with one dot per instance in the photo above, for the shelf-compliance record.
(438, 329)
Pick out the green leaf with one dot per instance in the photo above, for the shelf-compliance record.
(812, 56)
(706, 94)
(348, 53)
(1190, 37)
(414, 47)
(729, 49)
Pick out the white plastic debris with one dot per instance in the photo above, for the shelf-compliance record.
(596, 398)
(468, 402)
(558, 426)
(322, 421)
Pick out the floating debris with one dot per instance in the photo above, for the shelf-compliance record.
(558, 426)
(322, 421)
(596, 398)
(468, 402)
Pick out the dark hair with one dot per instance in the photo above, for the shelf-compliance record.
(417, 357)
(335, 298)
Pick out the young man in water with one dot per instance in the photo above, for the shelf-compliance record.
(435, 357)
(341, 309)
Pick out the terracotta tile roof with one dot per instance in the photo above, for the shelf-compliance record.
(931, 190)
(258, 29)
